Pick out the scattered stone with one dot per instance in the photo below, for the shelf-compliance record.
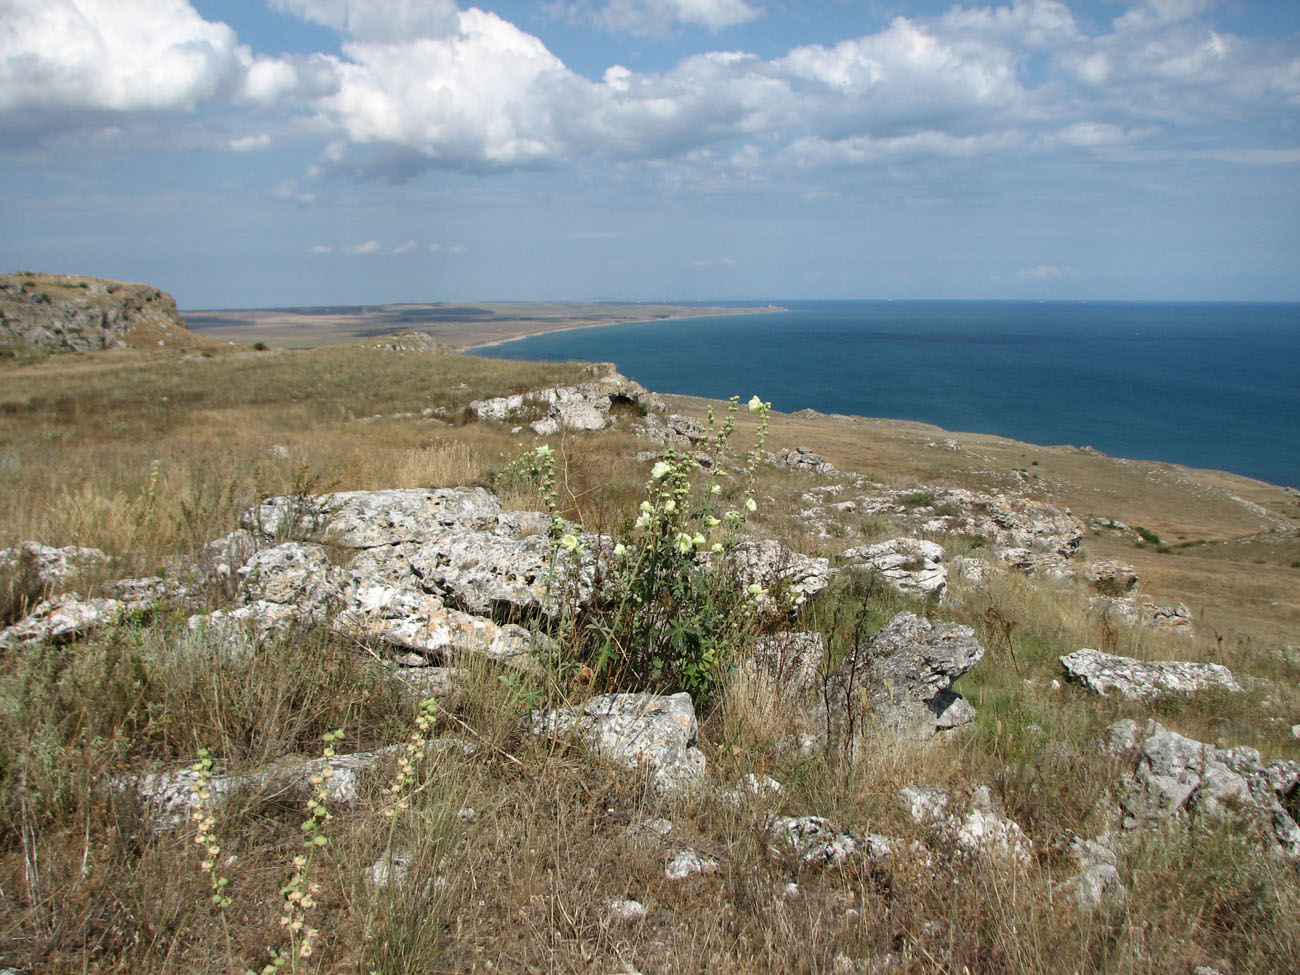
(627, 911)
(913, 566)
(686, 863)
(1103, 673)
(903, 674)
(925, 805)
(812, 839)
(639, 731)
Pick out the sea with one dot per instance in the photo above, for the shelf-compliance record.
(1211, 385)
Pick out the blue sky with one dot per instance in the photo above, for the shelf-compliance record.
(241, 153)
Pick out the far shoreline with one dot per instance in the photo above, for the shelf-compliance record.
(573, 327)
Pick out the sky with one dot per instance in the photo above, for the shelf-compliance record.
(265, 153)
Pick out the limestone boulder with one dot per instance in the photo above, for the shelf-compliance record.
(62, 618)
(900, 678)
(652, 733)
(913, 566)
(1175, 775)
(294, 574)
(368, 519)
(51, 567)
(1105, 673)
(787, 663)
(769, 564)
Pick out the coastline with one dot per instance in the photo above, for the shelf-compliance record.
(575, 326)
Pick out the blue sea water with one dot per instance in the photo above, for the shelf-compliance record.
(1205, 385)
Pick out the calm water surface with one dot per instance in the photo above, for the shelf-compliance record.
(1206, 385)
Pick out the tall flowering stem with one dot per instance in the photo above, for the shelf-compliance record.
(669, 614)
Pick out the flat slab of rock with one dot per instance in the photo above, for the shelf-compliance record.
(367, 519)
(1106, 673)
(650, 732)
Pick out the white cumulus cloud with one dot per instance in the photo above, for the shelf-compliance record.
(657, 16)
(1046, 272)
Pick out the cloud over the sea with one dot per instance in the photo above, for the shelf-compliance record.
(424, 83)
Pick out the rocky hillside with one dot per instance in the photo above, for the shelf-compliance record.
(70, 313)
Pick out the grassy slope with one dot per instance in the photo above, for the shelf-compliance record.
(150, 454)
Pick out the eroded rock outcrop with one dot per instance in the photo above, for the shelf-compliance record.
(71, 313)
(586, 406)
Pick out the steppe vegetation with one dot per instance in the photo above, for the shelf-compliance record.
(513, 853)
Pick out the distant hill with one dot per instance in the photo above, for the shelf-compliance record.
(41, 313)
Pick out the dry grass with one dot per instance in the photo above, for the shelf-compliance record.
(148, 463)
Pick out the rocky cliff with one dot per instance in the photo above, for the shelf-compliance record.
(69, 313)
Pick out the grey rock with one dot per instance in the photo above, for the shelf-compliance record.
(984, 831)
(900, 676)
(674, 430)
(62, 618)
(626, 910)
(390, 870)
(586, 406)
(170, 796)
(415, 621)
(1175, 775)
(489, 574)
(687, 863)
(1094, 887)
(52, 567)
(294, 574)
(787, 663)
(1105, 673)
(814, 841)
(368, 519)
(771, 565)
(647, 732)
(1143, 612)
(1109, 577)
(913, 566)
(803, 459)
(925, 805)
(100, 315)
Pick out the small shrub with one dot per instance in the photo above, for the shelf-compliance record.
(1147, 535)
(918, 499)
(259, 346)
